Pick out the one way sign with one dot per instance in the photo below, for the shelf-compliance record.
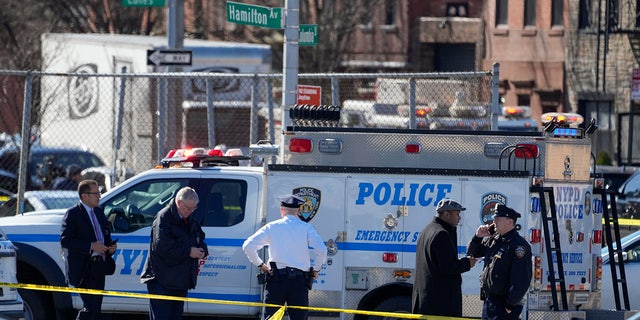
(168, 57)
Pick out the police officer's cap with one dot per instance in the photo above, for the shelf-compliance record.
(290, 201)
(449, 205)
(501, 210)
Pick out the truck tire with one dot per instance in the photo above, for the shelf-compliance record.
(399, 304)
(37, 305)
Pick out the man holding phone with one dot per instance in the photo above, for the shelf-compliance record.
(87, 248)
(177, 245)
(507, 271)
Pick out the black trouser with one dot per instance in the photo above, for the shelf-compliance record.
(93, 279)
(293, 291)
(165, 309)
(495, 308)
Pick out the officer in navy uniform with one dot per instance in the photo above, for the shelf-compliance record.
(507, 272)
(289, 267)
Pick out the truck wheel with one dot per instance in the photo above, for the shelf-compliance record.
(37, 305)
(399, 304)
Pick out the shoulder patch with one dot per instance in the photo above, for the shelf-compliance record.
(520, 251)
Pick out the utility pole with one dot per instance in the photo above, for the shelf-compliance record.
(290, 64)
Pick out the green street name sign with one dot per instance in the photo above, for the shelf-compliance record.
(308, 35)
(143, 3)
(254, 15)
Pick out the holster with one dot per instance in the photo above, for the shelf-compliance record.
(310, 278)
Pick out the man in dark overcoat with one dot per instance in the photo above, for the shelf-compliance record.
(437, 288)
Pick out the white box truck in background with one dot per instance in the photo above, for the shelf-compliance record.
(84, 111)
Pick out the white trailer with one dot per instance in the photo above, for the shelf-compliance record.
(92, 112)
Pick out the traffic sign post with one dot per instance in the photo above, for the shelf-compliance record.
(143, 3)
(168, 57)
(308, 35)
(254, 15)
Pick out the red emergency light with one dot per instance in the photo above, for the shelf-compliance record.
(597, 237)
(535, 235)
(300, 145)
(390, 257)
(412, 148)
(526, 151)
(215, 153)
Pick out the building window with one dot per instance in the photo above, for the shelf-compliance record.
(391, 9)
(614, 14)
(637, 14)
(584, 15)
(502, 12)
(458, 10)
(529, 13)
(557, 13)
(524, 100)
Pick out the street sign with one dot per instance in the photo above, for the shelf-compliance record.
(308, 35)
(168, 57)
(143, 3)
(309, 94)
(254, 15)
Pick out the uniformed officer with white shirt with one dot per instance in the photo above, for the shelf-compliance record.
(290, 242)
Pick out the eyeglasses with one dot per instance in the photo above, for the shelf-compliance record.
(191, 209)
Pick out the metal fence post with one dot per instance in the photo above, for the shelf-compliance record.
(24, 142)
(162, 117)
(335, 91)
(118, 137)
(495, 96)
(211, 118)
(412, 103)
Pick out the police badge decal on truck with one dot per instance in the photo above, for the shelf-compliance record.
(312, 198)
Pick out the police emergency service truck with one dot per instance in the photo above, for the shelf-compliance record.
(369, 193)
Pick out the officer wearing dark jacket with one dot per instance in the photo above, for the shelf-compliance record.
(437, 288)
(507, 271)
(176, 247)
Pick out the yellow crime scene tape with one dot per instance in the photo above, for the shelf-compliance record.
(277, 316)
(627, 222)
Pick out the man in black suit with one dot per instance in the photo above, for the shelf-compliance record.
(84, 236)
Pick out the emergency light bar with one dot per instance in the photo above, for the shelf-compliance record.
(571, 120)
(516, 112)
(201, 157)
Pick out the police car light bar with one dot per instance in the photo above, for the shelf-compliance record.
(200, 157)
(516, 112)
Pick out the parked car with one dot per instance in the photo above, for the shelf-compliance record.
(628, 200)
(631, 257)
(11, 305)
(40, 200)
(614, 176)
(44, 165)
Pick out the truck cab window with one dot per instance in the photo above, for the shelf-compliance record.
(136, 207)
(224, 203)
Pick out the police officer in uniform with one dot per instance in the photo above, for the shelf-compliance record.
(289, 267)
(507, 271)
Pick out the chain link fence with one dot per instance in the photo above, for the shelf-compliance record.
(130, 121)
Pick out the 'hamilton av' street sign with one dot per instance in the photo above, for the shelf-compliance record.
(254, 15)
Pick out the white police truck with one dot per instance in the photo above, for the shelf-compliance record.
(369, 193)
